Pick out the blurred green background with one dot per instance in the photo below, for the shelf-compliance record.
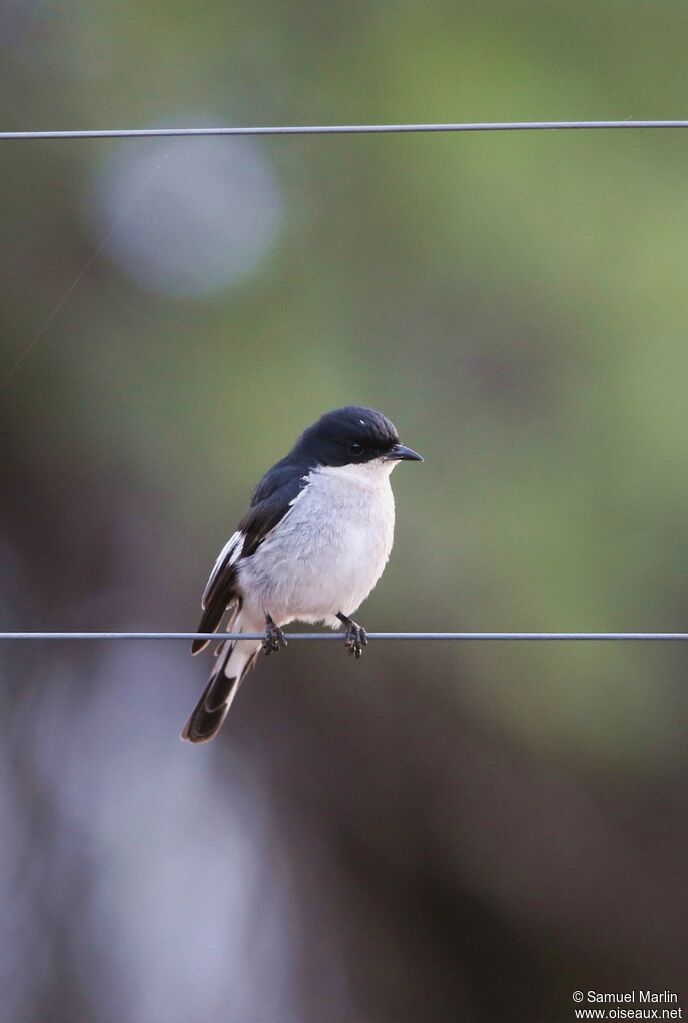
(444, 831)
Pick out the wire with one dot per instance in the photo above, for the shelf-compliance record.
(336, 129)
(440, 636)
(26, 351)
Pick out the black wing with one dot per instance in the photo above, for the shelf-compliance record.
(272, 499)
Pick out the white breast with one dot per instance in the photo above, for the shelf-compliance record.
(330, 549)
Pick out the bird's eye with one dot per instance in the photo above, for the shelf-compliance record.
(355, 449)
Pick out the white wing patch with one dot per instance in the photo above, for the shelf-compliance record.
(227, 556)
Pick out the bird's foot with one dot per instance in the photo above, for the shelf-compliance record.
(355, 637)
(274, 637)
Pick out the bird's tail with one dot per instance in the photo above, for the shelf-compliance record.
(233, 660)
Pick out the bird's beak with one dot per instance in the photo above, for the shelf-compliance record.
(400, 453)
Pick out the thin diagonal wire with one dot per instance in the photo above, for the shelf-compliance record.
(314, 636)
(339, 129)
(26, 351)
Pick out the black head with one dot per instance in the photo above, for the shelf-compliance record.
(352, 435)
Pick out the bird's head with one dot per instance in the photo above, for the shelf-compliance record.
(355, 436)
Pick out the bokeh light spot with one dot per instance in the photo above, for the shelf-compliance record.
(188, 217)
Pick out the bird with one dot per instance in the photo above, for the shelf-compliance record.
(312, 545)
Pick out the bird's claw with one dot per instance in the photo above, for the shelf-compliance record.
(355, 638)
(274, 637)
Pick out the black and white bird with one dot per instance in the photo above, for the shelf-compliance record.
(311, 547)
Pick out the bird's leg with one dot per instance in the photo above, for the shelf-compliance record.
(274, 637)
(355, 637)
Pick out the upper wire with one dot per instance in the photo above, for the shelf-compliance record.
(338, 129)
